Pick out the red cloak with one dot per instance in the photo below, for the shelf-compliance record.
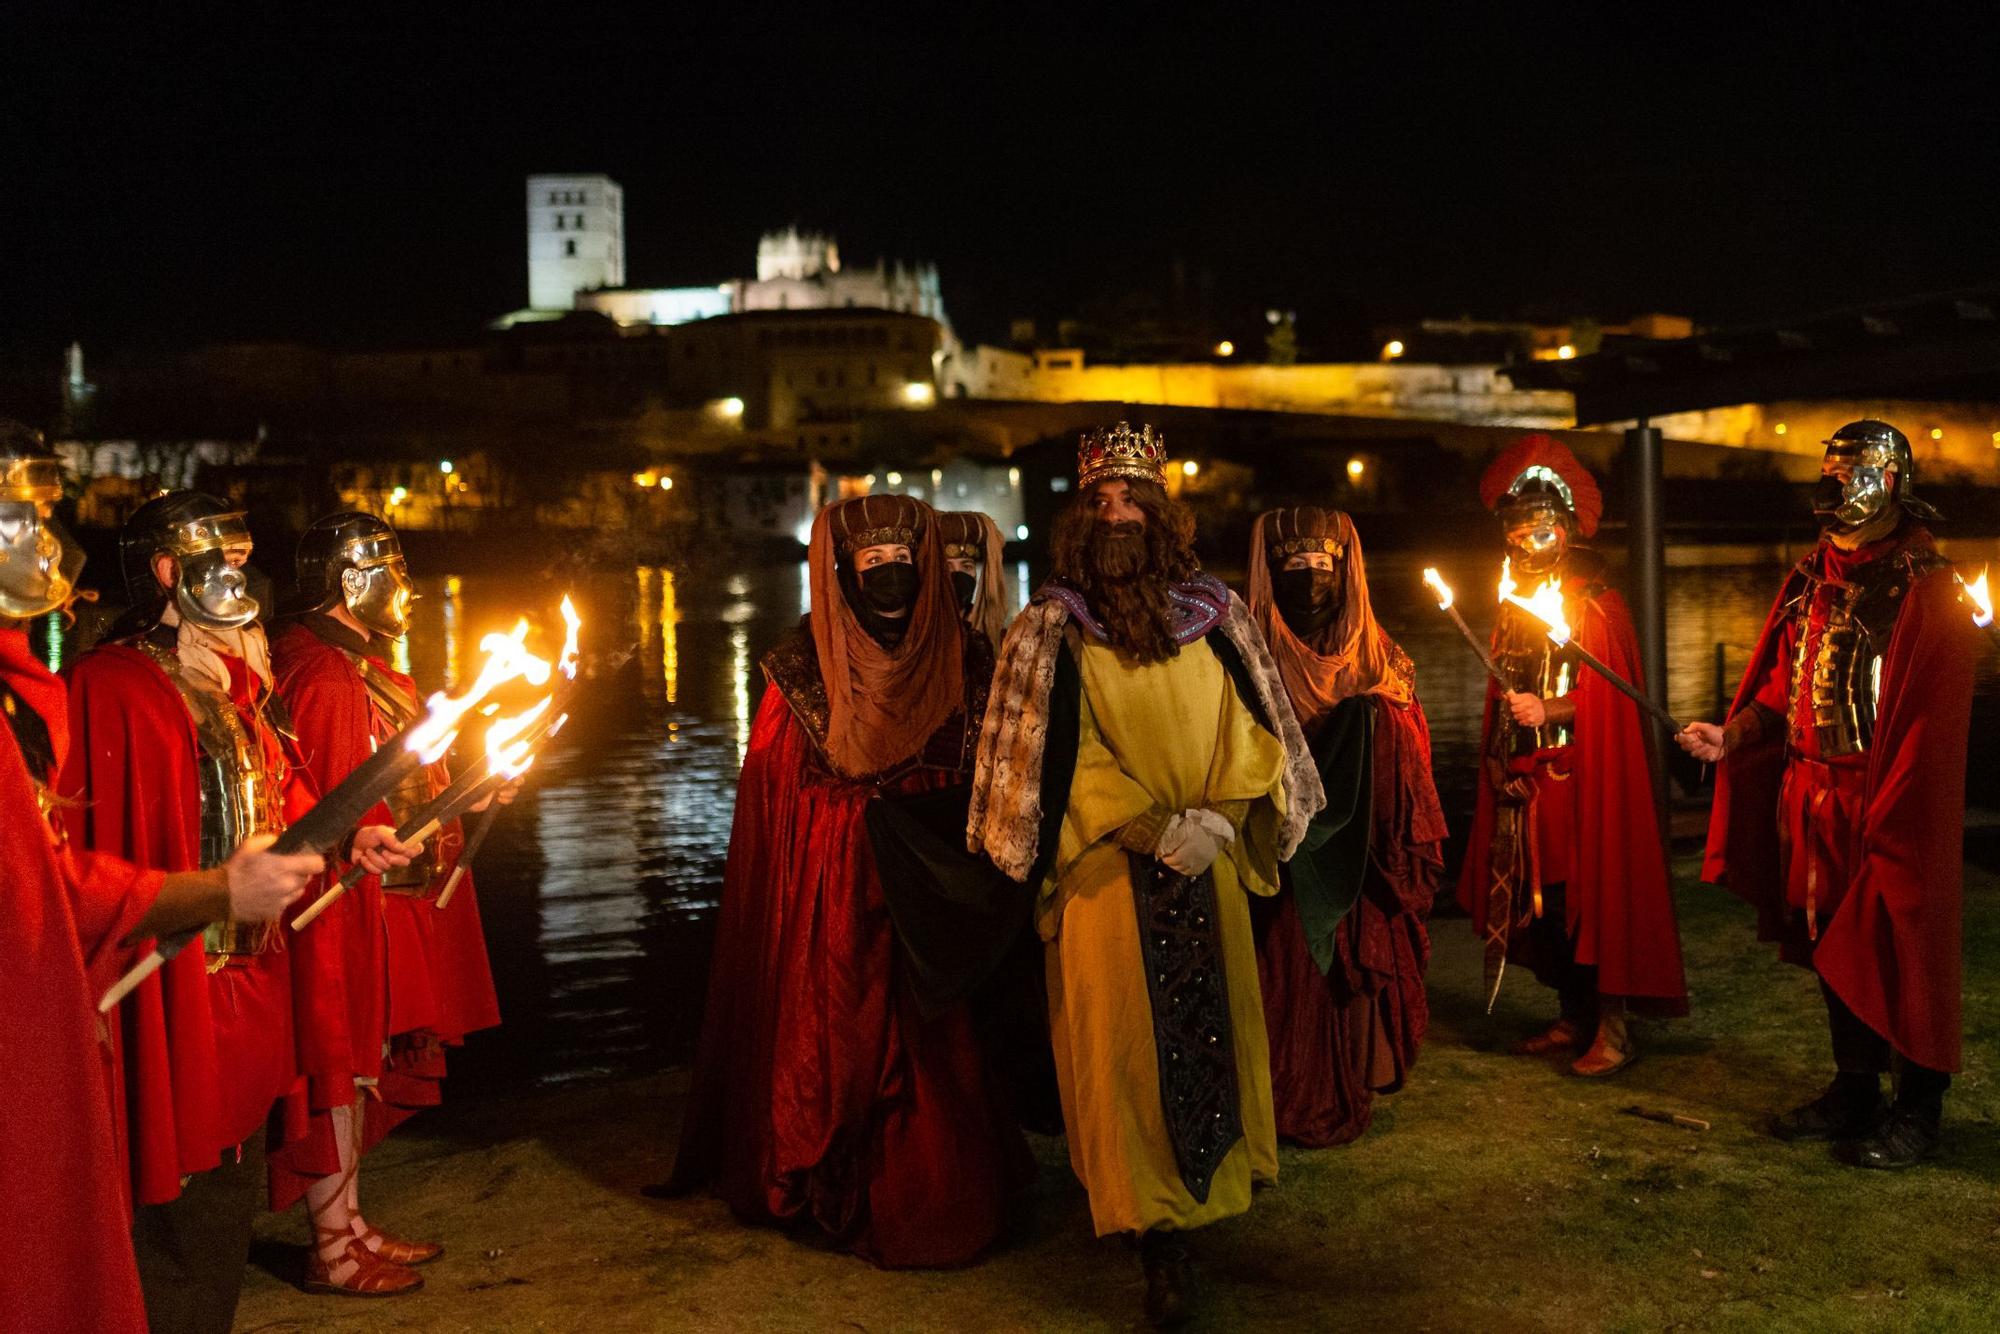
(1339, 1038)
(1890, 945)
(61, 1173)
(406, 969)
(1606, 839)
(820, 1092)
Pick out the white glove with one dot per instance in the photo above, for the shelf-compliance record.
(1193, 840)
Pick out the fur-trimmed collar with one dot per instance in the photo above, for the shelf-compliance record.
(1005, 819)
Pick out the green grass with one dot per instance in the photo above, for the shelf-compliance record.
(1495, 1193)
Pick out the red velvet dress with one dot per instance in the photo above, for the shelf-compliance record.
(1596, 822)
(1870, 842)
(1340, 1037)
(821, 1095)
(405, 970)
(61, 1154)
(205, 1056)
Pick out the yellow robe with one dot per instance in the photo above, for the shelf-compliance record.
(1172, 736)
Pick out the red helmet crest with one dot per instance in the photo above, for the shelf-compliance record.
(1548, 458)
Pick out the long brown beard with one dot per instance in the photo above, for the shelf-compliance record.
(1124, 570)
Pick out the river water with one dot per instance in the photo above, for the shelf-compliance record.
(599, 886)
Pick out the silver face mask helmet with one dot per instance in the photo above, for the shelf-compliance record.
(208, 541)
(355, 560)
(39, 562)
(1868, 468)
(1538, 521)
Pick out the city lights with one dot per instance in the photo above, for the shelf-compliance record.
(731, 408)
(895, 479)
(1937, 432)
(1355, 467)
(399, 495)
(1779, 429)
(1225, 348)
(1392, 349)
(444, 466)
(1565, 352)
(918, 394)
(1190, 468)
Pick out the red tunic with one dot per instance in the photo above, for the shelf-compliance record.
(1339, 1038)
(205, 1055)
(1873, 840)
(1598, 827)
(61, 1173)
(408, 970)
(820, 1092)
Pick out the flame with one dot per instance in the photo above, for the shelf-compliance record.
(506, 658)
(1507, 579)
(567, 661)
(1545, 605)
(1438, 586)
(508, 752)
(1982, 600)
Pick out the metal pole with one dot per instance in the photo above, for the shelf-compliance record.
(1646, 561)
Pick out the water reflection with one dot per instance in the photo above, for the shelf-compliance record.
(599, 888)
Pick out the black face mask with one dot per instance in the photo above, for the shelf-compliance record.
(889, 587)
(1308, 599)
(963, 586)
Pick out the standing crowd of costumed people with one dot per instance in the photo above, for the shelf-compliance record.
(1152, 866)
(143, 791)
(1217, 815)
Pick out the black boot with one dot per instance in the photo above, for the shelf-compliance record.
(1851, 1108)
(1906, 1137)
(1165, 1258)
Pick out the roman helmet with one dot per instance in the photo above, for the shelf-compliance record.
(1545, 499)
(39, 562)
(1868, 469)
(355, 560)
(202, 533)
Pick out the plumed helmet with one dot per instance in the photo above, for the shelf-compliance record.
(1542, 467)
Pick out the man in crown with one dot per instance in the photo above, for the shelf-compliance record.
(824, 1094)
(181, 753)
(72, 922)
(1342, 955)
(1565, 870)
(1850, 728)
(1141, 772)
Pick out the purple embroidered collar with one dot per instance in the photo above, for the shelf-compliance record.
(1199, 606)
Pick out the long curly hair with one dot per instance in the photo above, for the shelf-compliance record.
(1123, 570)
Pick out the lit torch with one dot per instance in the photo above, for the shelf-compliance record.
(567, 664)
(1447, 606)
(1546, 606)
(1981, 600)
(425, 821)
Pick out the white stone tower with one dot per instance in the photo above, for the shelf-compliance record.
(576, 238)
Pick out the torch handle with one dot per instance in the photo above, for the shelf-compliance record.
(465, 856)
(1632, 692)
(1485, 657)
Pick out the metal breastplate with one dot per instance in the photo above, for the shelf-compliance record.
(240, 796)
(394, 711)
(1532, 663)
(1840, 675)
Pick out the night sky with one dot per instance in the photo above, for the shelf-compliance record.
(180, 182)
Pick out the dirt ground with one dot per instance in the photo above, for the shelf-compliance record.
(1493, 1193)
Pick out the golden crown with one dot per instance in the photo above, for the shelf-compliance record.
(1121, 452)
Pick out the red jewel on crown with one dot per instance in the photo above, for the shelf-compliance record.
(1121, 451)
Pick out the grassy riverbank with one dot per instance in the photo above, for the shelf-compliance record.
(1494, 1193)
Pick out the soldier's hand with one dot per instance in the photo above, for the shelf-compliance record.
(1704, 741)
(261, 883)
(501, 796)
(1528, 710)
(377, 849)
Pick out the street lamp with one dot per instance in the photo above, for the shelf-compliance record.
(1225, 348)
(1392, 349)
(918, 394)
(1355, 467)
